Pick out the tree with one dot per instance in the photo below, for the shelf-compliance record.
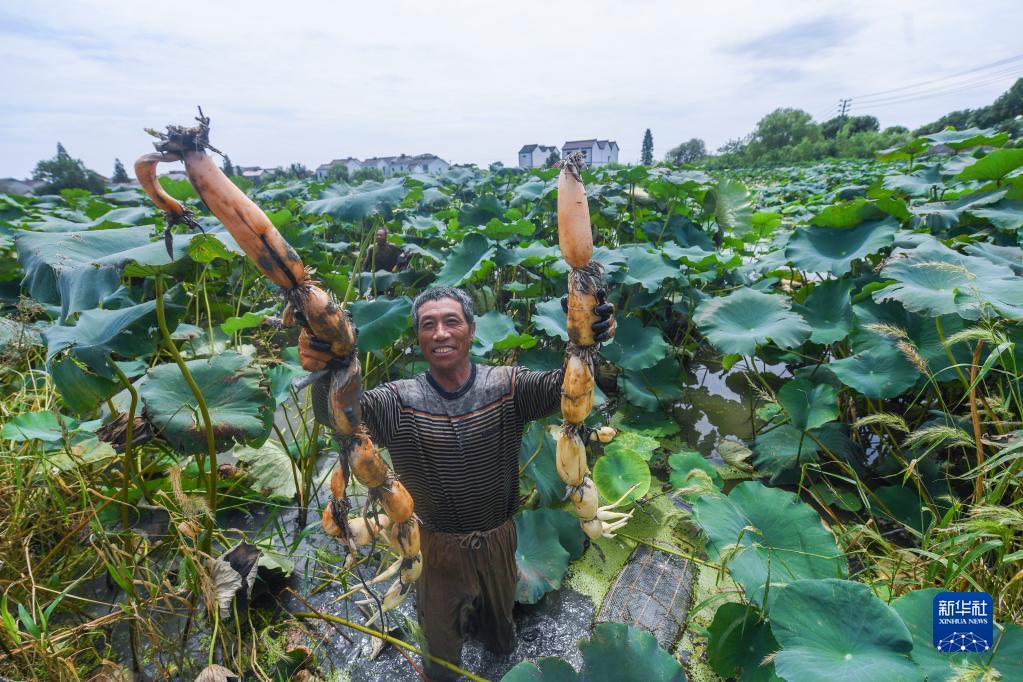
(646, 156)
(784, 128)
(337, 173)
(228, 168)
(63, 172)
(368, 173)
(120, 175)
(687, 152)
(552, 158)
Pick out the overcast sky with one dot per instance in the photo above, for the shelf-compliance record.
(473, 81)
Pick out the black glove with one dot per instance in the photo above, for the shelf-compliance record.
(603, 329)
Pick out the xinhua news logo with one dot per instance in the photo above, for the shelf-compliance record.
(963, 621)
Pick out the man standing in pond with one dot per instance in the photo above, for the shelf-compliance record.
(454, 433)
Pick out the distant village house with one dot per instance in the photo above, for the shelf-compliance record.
(595, 152)
(389, 165)
(535, 155)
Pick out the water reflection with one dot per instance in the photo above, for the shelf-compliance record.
(719, 403)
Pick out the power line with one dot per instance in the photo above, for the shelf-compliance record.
(962, 87)
(1000, 62)
(948, 87)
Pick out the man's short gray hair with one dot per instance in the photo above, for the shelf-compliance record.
(437, 293)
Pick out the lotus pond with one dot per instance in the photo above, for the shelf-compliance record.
(816, 377)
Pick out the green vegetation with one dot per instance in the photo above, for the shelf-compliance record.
(62, 172)
(873, 307)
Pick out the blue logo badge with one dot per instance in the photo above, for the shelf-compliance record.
(963, 621)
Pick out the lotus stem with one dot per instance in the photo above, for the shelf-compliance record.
(204, 412)
(978, 484)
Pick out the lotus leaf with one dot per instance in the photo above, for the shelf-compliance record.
(903, 505)
(128, 332)
(635, 346)
(827, 311)
(917, 612)
(646, 269)
(570, 534)
(971, 137)
(1005, 215)
(738, 643)
(847, 214)
(993, 166)
(943, 215)
(919, 183)
(619, 652)
(746, 318)
(48, 427)
(496, 331)
(545, 670)
(472, 255)
(767, 534)
(807, 404)
(648, 388)
(633, 441)
(838, 630)
(733, 206)
(877, 373)
(537, 461)
(81, 391)
(541, 559)
(614, 474)
(272, 469)
(498, 229)
(486, 207)
(685, 461)
(240, 407)
(833, 250)
(368, 199)
(382, 321)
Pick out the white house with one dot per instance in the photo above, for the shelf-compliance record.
(352, 164)
(534, 155)
(595, 152)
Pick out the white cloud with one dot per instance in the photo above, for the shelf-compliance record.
(471, 82)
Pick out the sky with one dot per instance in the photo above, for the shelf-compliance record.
(472, 82)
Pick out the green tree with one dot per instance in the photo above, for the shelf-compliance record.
(552, 158)
(63, 172)
(687, 152)
(784, 128)
(338, 173)
(228, 167)
(646, 155)
(369, 173)
(120, 175)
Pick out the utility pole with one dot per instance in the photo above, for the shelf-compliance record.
(843, 107)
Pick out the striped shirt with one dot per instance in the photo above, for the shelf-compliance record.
(458, 453)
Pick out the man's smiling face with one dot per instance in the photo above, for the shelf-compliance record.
(444, 336)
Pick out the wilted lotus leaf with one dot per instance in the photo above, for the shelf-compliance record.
(838, 630)
(746, 318)
(234, 574)
(767, 533)
(240, 407)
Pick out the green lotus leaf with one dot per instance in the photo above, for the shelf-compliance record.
(281, 377)
(648, 388)
(612, 259)
(971, 137)
(847, 214)
(733, 206)
(994, 166)
(240, 408)
(44, 426)
(917, 612)
(783, 450)
(248, 320)
(485, 208)
(1009, 256)
(541, 559)
(79, 269)
(635, 346)
(80, 390)
(633, 441)
(904, 151)
(807, 404)
(738, 642)
(846, 500)
(530, 255)
(353, 204)
(498, 229)
(653, 424)
(497, 331)
(746, 318)
(838, 630)
(129, 332)
(618, 652)
(271, 469)
(944, 215)
(919, 183)
(684, 462)
(472, 255)
(614, 474)
(878, 373)
(767, 533)
(833, 250)
(537, 461)
(904, 506)
(545, 670)
(647, 269)
(382, 321)
(550, 319)
(570, 533)
(1005, 215)
(827, 311)
(531, 191)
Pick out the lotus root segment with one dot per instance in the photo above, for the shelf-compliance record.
(344, 398)
(575, 236)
